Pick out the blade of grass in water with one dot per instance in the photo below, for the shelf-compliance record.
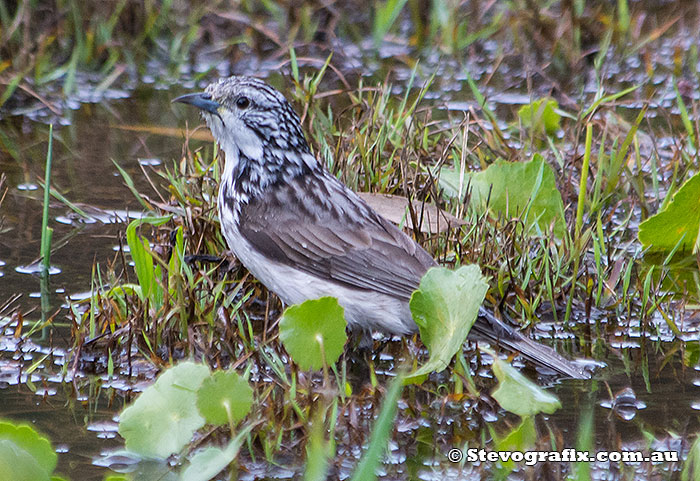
(56, 194)
(46, 231)
(380, 433)
(578, 245)
(132, 187)
(385, 16)
(687, 124)
(46, 235)
(317, 449)
(584, 442)
(10, 89)
(609, 98)
(623, 15)
(584, 181)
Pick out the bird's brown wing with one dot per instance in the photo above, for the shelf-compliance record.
(317, 225)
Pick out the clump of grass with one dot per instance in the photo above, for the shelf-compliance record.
(171, 297)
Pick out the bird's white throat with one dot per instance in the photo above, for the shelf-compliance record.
(234, 136)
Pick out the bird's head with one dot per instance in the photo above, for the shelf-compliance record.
(249, 117)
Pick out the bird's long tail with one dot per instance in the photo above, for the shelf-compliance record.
(488, 327)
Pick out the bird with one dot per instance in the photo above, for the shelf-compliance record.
(304, 234)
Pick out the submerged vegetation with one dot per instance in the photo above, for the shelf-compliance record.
(553, 191)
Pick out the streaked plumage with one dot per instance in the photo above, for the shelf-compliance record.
(304, 234)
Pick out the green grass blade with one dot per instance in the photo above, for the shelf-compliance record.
(380, 433)
(130, 184)
(384, 17)
(684, 116)
(609, 98)
(45, 230)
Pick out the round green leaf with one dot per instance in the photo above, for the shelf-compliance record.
(164, 417)
(25, 438)
(519, 395)
(19, 465)
(207, 463)
(678, 223)
(521, 438)
(314, 328)
(445, 307)
(514, 189)
(24, 453)
(224, 395)
(541, 116)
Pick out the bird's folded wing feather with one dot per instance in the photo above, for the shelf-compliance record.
(317, 225)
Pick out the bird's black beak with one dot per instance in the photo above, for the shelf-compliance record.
(201, 100)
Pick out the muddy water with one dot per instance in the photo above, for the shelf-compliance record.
(76, 415)
(84, 173)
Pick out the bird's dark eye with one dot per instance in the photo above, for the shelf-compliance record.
(242, 102)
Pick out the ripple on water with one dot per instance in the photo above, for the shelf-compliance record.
(94, 215)
(104, 429)
(45, 391)
(67, 220)
(153, 162)
(624, 404)
(36, 269)
(116, 459)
